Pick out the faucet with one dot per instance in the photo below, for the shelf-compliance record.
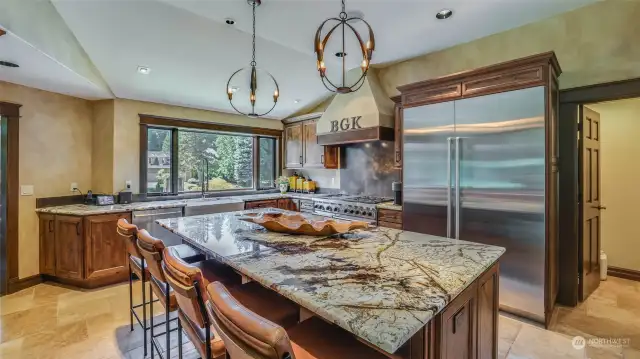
(205, 175)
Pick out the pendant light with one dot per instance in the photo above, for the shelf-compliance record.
(253, 79)
(344, 22)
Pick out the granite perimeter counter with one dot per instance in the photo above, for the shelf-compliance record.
(409, 295)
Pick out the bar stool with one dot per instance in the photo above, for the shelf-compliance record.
(189, 283)
(136, 263)
(247, 335)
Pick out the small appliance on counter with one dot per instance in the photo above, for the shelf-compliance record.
(105, 200)
(125, 197)
(396, 187)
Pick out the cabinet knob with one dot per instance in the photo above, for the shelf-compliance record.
(300, 159)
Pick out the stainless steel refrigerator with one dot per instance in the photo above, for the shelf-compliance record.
(474, 170)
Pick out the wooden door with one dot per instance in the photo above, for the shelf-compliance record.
(47, 244)
(313, 155)
(105, 249)
(69, 247)
(458, 329)
(293, 145)
(590, 173)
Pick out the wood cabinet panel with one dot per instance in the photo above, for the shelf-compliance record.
(488, 306)
(388, 215)
(422, 96)
(331, 158)
(293, 145)
(106, 253)
(47, 244)
(458, 331)
(503, 82)
(397, 160)
(288, 204)
(69, 247)
(389, 224)
(313, 155)
(261, 204)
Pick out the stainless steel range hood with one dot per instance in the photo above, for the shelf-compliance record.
(361, 116)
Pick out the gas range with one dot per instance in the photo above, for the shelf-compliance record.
(352, 207)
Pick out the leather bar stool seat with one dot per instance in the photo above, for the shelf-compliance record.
(248, 335)
(190, 282)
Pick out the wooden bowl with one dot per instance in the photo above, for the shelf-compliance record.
(298, 224)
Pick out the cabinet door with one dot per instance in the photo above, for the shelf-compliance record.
(331, 157)
(488, 306)
(47, 244)
(313, 152)
(69, 247)
(458, 330)
(288, 204)
(293, 145)
(105, 249)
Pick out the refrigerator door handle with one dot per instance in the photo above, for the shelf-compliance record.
(457, 189)
(449, 140)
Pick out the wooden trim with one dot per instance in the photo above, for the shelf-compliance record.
(309, 116)
(10, 192)
(144, 143)
(174, 159)
(618, 272)
(59, 201)
(256, 162)
(547, 58)
(396, 99)
(609, 91)
(209, 126)
(355, 136)
(2, 32)
(16, 285)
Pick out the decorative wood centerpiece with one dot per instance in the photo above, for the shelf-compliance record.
(298, 224)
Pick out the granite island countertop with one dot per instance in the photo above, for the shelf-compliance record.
(380, 284)
(89, 210)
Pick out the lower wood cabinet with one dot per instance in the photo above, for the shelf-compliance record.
(271, 203)
(467, 328)
(390, 218)
(83, 251)
(289, 204)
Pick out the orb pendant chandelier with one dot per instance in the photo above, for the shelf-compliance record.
(253, 78)
(343, 23)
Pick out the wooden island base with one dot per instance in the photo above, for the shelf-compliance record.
(466, 329)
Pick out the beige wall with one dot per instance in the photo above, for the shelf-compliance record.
(594, 44)
(620, 173)
(102, 147)
(127, 133)
(55, 150)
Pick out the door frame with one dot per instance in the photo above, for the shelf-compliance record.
(569, 187)
(9, 279)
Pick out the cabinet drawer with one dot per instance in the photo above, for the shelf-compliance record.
(387, 215)
(390, 225)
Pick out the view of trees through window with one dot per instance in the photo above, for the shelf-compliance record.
(217, 161)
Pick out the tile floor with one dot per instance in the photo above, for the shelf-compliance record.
(51, 321)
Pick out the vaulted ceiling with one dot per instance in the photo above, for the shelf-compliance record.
(191, 51)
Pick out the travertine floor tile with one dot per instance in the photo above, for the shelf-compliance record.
(537, 343)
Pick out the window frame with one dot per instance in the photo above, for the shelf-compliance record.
(148, 122)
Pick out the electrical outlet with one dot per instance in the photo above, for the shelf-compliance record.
(26, 190)
(127, 184)
(74, 186)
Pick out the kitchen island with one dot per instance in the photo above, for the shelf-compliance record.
(406, 294)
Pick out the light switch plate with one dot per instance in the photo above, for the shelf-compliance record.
(26, 190)
(74, 186)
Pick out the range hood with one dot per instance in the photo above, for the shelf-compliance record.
(361, 116)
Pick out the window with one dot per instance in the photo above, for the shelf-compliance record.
(213, 161)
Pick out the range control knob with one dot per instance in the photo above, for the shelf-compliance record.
(357, 212)
(336, 209)
(370, 214)
(351, 211)
(346, 210)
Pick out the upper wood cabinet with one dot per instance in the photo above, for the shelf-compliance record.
(397, 159)
(301, 148)
(293, 145)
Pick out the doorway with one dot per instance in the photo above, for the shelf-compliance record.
(597, 185)
(9, 147)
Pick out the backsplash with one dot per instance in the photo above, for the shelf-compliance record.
(369, 169)
(325, 179)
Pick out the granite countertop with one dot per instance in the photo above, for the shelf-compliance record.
(87, 210)
(390, 206)
(380, 284)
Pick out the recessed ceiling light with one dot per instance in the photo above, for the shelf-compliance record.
(143, 70)
(230, 21)
(297, 100)
(444, 14)
(8, 64)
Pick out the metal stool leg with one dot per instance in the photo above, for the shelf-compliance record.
(144, 307)
(168, 328)
(179, 338)
(130, 298)
(151, 316)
